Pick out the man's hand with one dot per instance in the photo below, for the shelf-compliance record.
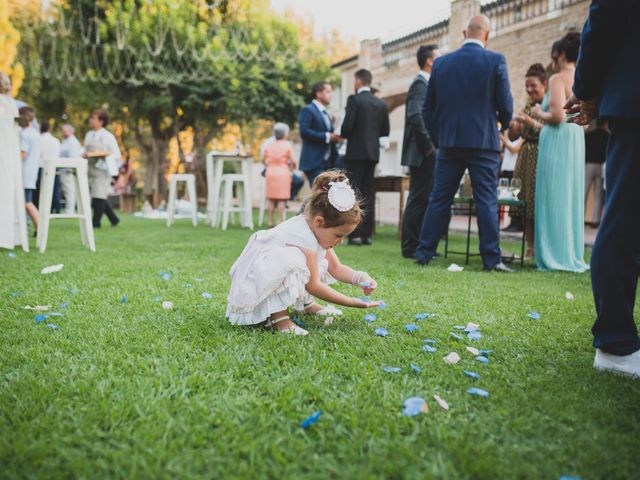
(334, 137)
(584, 111)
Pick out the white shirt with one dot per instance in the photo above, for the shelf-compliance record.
(473, 40)
(104, 139)
(49, 147)
(425, 75)
(71, 148)
(325, 115)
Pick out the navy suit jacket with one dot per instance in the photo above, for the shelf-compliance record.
(608, 64)
(313, 130)
(468, 95)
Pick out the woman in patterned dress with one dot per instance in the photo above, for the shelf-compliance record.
(529, 129)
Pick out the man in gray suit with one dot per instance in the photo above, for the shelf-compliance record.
(418, 152)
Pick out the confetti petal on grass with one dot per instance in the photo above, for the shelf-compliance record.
(441, 402)
(564, 477)
(382, 332)
(414, 406)
(206, 295)
(422, 316)
(534, 315)
(52, 269)
(456, 336)
(14, 294)
(307, 422)
(569, 296)
(429, 340)
(167, 305)
(12, 255)
(458, 327)
(40, 318)
(72, 291)
(297, 321)
(482, 359)
(187, 285)
(198, 280)
(415, 368)
(428, 348)
(485, 352)
(473, 351)
(328, 321)
(370, 317)
(123, 300)
(471, 374)
(452, 358)
(165, 275)
(475, 335)
(392, 369)
(455, 268)
(56, 314)
(64, 304)
(478, 391)
(411, 327)
(157, 298)
(39, 308)
(472, 327)
(382, 305)
(52, 326)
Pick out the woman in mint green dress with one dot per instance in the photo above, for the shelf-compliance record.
(559, 202)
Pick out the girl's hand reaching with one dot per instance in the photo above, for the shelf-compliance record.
(359, 303)
(364, 280)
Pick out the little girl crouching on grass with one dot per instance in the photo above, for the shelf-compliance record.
(294, 262)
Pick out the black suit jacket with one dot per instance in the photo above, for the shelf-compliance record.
(366, 120)
(416, 145)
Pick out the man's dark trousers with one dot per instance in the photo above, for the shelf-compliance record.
(420, 185)
(484, 178)
(615, 262)
(360, 173)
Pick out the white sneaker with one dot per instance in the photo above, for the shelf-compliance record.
(621, 364)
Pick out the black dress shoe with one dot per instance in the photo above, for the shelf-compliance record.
(500, 267)
(367, 241)
(422, 263)
(409, 255)
(513, 228)
(355, 241)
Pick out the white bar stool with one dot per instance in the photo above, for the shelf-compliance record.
(79, 168)
(242, 179)
(190, 180)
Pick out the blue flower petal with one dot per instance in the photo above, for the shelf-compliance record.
(382, 305)
(475, 335)
(307, 422)
(429, 348)
(64, 304)
(422, 316)
(52, 326)
(165, 275)
(365, 284)
(478, 391)
(411, 327)
(206, 295)
(382, 332)
(413, 406)
(458, 327)
(56, 314)
(72, 291)
(415, 368)
(392, 369)
(297, 321)
(157, 298)
(482, 359)
(370, 317)
(14, 294)
(41, 318)
(534, 315)
(485, 352)
(429, 340)
(456, 336)
(124, 299)
(198, 279)
(12, 255)
(471, 374)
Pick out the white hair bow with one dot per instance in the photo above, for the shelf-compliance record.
(341, 196)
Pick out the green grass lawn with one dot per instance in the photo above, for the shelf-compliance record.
(134, 391)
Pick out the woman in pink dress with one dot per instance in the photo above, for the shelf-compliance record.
(278, 158)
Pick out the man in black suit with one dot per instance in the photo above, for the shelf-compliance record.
(366, 120)
(606, 85)
(418, 152)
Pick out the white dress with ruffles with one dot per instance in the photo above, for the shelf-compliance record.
(271, 273)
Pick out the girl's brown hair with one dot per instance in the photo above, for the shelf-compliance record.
(318, 202)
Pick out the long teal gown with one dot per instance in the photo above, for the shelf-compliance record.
(559, 208)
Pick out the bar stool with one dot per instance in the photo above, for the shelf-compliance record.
(79, 168)
(190, 180)
(220, 195)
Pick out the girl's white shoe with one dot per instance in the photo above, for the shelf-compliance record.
(295, 329)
